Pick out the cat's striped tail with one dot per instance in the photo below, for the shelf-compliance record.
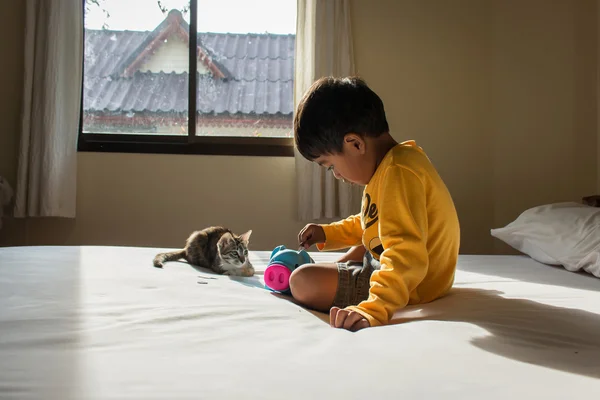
(162, 258)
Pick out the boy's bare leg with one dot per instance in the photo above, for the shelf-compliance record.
(315, 285)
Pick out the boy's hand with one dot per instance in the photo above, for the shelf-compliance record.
(345, 319)
(311, 234)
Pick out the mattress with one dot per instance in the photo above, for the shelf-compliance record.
(102, 323)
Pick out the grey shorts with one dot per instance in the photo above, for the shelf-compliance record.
(354, 281)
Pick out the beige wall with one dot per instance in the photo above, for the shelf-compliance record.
(500, 93)
(544, 102)
(156, 200)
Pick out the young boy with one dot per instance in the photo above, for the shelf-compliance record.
(404, 243)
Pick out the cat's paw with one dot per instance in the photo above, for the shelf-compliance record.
(247, 271)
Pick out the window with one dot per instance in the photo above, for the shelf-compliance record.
(138, 95)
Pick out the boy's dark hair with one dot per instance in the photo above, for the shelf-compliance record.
(330, 109)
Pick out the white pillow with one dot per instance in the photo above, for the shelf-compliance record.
(566, 234)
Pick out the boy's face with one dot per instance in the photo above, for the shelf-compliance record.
(352, 164)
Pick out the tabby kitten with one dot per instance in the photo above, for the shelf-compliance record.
(215, 248)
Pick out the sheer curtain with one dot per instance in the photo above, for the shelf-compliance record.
(323, 47)
(47, 171)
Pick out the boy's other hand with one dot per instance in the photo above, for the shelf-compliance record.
(345, 319)
(311, 234)
(355, 254)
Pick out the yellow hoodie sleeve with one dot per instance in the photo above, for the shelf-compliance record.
(403, 233)
(342, 234)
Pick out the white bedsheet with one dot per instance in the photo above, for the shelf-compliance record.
(102, 323)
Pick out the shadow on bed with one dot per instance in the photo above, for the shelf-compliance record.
(210, 274)
(254, 282)
(322, 316)
(523, 330)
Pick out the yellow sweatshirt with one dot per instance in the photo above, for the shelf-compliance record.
(408, 222)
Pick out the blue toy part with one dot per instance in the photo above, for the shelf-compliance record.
(282, 263)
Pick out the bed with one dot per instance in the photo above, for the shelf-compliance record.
(102, 323)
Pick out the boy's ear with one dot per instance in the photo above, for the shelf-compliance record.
(354, 143)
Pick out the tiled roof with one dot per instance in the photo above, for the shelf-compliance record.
(161, 92)
(258, 72)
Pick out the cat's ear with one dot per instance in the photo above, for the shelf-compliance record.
(224, 240)
(246, 236)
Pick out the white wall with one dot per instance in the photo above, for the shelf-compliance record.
(171, 56)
